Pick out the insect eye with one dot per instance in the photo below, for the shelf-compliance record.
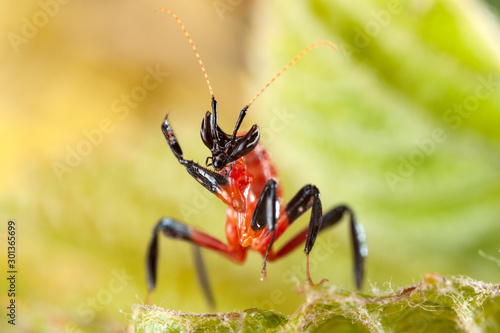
(219, 160)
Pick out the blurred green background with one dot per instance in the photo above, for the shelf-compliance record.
(402, 123)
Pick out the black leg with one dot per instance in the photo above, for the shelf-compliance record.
(172, 140)
(306, 198)
(298, 205)
(358, 238)
(170, 228)
(266, 214)
(201, 271)
(174, 229)
(211, 180)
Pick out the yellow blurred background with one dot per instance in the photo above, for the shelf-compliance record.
(401, 123)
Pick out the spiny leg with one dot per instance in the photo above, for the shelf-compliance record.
(174, 229)
(212, 181)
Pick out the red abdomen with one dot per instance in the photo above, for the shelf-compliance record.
(248, 178)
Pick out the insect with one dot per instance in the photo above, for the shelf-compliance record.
(240, 173)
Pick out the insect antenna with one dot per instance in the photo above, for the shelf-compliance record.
(192, 45)
(293, 61)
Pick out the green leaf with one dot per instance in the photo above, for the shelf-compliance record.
(457, 304)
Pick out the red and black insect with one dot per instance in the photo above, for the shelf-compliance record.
(243, 177)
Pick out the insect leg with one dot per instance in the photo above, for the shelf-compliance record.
(212, 181)
(358, 238)
(201, 271)
(307, 197)
(266, 214)
(172, 140)
(330, 219)
(174, 229)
